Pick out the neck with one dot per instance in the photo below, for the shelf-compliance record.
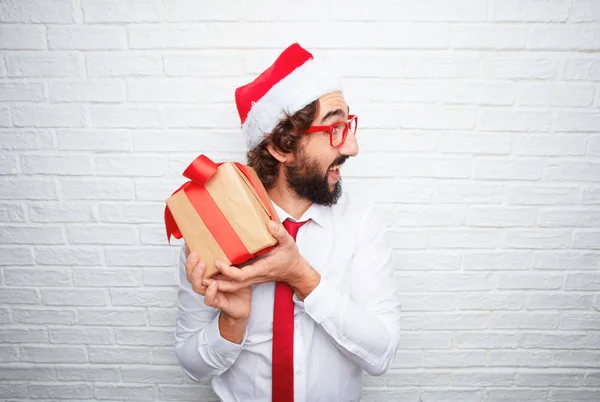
(287, 199)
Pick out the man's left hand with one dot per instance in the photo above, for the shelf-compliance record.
(282, 264)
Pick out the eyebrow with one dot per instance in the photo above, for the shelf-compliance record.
(332, 113)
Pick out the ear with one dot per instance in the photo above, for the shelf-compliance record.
(280, 156)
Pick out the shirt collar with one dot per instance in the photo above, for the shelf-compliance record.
(317, 213)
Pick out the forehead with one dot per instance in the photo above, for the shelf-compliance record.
(331, 101)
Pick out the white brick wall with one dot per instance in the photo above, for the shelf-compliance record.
(480, 140)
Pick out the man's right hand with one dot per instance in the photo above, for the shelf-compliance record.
(234, 306)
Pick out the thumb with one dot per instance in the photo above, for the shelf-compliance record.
(278, 231)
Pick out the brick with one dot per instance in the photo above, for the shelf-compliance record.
(16, 256)
(22, 335)
(116, 355)
(486, 340)
(582, 69)
(152, 234)
(144, 337)
(162, 317)
(403, 394)
(205, 63)
(12, 213)
(558, 301)
(427, 261)
(142, 374)
(506, 169)
(147, 189)
(559, 340)
(37, 276)
(568, 217)
(584, 11)
(53, 212)
(5, 117)
(428, 216)
(71, 391)
(519, 280)
(67, 256)
(102, 234)
(94, 140)
(4, 319)
(44, 64)
(43, 316)
(438, 358)
(479, 379)
(515, 394)
(9, 164)
(121, 11)
(133, 165)
(73, 297)
(590, 195)
(446, 167)
(463, 238)
(83, 373)
(590, 240)
(488, 143)
(536, 238)
(185, 10)
(140, 256)
(102, 277)
(177, 140)
(97, 189)
(164, 356)
(509, 120)
(24, 139)
(48, 116)
(593, 147)
(519, 68)
(408, 239)
(404, 378)
(112, 317)
(529, 10)
(160, 277)
(563, 170)
(22, 91)
(467, 193)
(578, 358)
(412, 302)
(27, 372)
(571, 121)
(500, 216)
(31, 235)
(500, 261)
(526, 320)
(559, 37)
(32, 11)
(546, 94)
(564, 395)
(122, 63)
(426, 340)
(462, 320)
(551, 145)
(580, 321)
(208, 116)
(86, 37)
(518, 358)
(179, 90)
(475, 36)
(125, 392)
(28, 189)
(74, 335)
(592, 379)
(93, 90)
(542, 195)
(19, 296)
(143, 297)
(490, 301)
(53, 354)
(56, 165)
(14, 391)
(420, 117)
(126, 117)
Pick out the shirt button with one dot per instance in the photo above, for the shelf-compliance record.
(298, 372)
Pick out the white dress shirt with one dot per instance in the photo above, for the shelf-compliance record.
(347, 324)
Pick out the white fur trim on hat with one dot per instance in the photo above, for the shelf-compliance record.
(305, 84)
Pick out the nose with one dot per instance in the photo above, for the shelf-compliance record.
(350, 146)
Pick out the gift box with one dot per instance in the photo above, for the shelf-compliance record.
(222, 213)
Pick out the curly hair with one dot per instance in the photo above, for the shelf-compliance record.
(285, 139)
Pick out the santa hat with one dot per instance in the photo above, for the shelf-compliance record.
(293, 81)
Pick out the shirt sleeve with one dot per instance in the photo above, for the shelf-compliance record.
(200, 349)
(364, 325)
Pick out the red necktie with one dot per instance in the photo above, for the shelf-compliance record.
(283, 334)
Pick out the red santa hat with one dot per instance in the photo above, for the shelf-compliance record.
(293, 81)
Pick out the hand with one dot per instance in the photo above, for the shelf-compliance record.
(282, 264)
(236, 305)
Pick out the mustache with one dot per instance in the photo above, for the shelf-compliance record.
(339, 160)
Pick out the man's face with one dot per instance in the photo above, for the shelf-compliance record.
(315, 173)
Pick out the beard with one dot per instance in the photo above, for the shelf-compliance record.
(306, 179)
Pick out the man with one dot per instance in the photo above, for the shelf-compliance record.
(305, 321)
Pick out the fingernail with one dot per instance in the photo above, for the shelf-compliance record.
(273, 225)
(193, 255)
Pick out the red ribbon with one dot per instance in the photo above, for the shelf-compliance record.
(200, 172)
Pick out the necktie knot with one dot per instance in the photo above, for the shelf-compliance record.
(292, 227)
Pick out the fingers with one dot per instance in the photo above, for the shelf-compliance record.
(279, 232)
(210, 297)
(190, 263)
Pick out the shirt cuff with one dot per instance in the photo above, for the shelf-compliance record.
(322, 301)
(221, 352)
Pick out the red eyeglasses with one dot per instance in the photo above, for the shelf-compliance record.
(337, 131)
